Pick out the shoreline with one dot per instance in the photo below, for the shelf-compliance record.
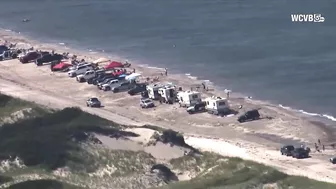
(324, 118)
(286, 125)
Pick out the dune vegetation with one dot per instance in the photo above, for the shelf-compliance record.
(54, 149)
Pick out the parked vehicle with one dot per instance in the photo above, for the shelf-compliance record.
(122, 86)
(138, 88)
(98, 76)
(87, 75)
(48, 58)
(300, 153)
(199, 107)
(106, 82)
(333, 160)
(102, 79)
(287, 150)
(146, 103)
(93, 102)
(59, 66)
(249, 116)
(30, 56)
(109, 84)
(3, 48)
(5, 56)
(79, 70)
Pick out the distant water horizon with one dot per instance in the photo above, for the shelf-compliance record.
(252, 48)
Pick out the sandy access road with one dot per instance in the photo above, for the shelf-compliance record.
(258, 141)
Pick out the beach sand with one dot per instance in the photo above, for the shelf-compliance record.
(257, 140)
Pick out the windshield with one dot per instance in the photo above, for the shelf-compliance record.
(94, 99)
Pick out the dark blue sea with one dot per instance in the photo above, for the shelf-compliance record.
(251, 47)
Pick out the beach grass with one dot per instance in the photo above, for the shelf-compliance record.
(43, 184)
(53, 140)
(10, 105)
(216, 172)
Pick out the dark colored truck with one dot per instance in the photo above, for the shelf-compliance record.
(138, 88)
(249, 116)
(300, 153)
(287, 150)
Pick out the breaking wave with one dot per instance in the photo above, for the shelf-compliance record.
(329, 117)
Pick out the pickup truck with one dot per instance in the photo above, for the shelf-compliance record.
(88, 75)
(287, 150)
(108, 85)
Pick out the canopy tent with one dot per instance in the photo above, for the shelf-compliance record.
(113, 65)
(133, 76)
(101, 60)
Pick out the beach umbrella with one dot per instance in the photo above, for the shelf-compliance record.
(133, 76)
(101, 60)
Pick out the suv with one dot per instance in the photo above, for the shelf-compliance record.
(48, 58)
(30, 56)
(107, 83)
(249, 116)
(79, 70)
(287, 150)
(124, 86)
(146, 103)
(299, 153)
(87, 75)
(93, 102)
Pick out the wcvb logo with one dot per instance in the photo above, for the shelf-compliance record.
(307, 18)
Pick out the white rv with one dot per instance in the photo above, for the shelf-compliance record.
(153, 91)
(217, 105)
(189, 98)
(167, 93)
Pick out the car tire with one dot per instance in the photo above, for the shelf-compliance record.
(115, 90)
(107, 88)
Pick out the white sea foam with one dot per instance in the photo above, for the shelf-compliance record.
(309, 113)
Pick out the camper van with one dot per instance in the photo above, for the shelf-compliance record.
(217, 105)
(189, 98)
(167, 94)
(153, 91)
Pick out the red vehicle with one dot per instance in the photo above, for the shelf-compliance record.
(31, 56)
(61, 66)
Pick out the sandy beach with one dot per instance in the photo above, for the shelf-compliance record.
(257, 140)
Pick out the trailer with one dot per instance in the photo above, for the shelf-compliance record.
(217, 106)
(153, 91)
(167, 93)
(189, 98)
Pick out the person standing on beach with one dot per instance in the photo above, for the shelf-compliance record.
(133, 70)
(166, 71)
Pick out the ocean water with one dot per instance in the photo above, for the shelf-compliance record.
(251, 47)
